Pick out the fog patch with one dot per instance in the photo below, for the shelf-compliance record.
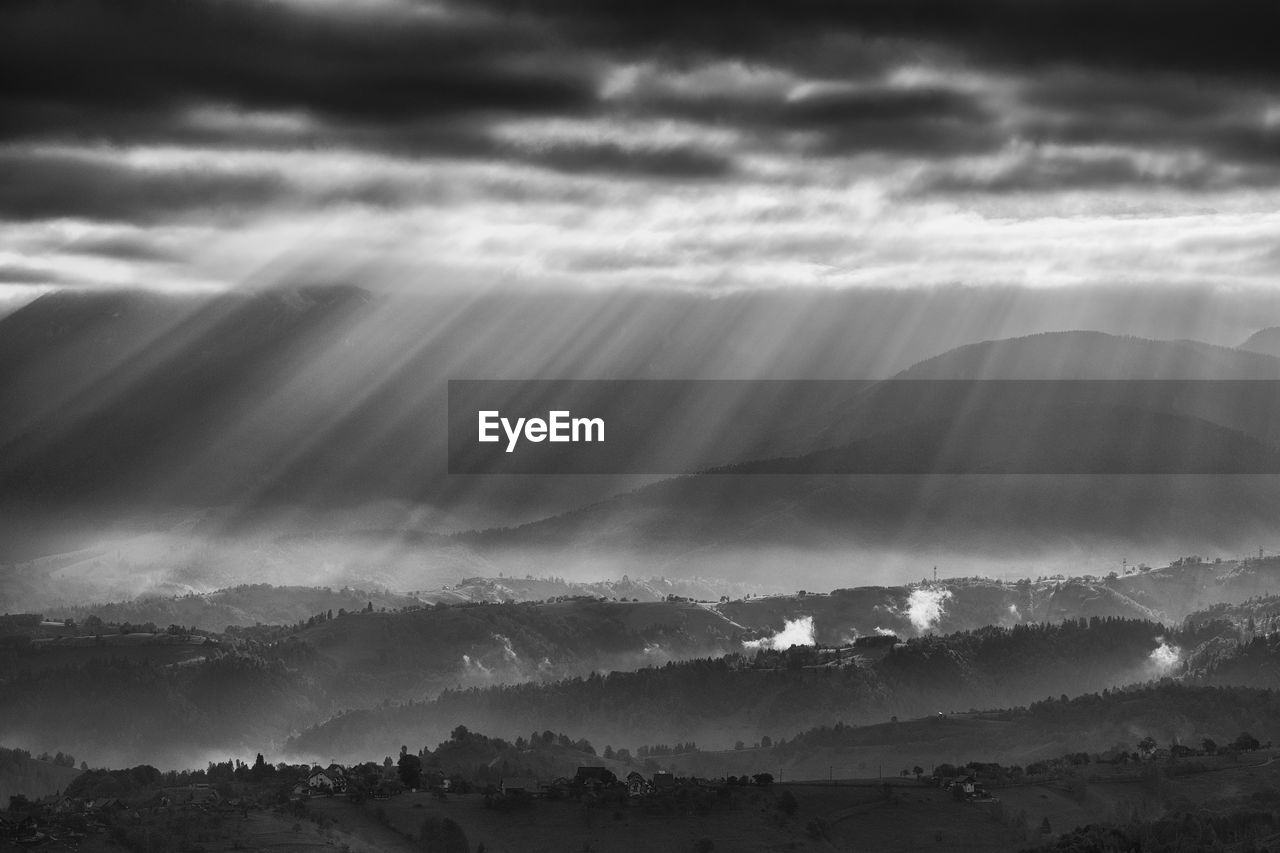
(925, 607)
(508, 653)
(472, 666)
(1164, 657)
(796, 632)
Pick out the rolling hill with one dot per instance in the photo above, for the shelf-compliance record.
(1265, 341)
(717, 701)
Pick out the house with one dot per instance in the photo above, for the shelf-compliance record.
(637, 785)
(107, 805)
(68, 805)
(663, 780)
(326, 782)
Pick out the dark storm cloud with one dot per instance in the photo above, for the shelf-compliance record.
(1036, 172)
(464, 80)
(836, 120)
(675, 161)
(69, 184)
(913, 121)
(389, 79)
(122, 247)
(1229, 37)
(23, 274)
(1134, 98)
(81, 58)
(51, 185)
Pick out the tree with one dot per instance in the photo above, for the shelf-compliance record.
(1209, 746)
(1147, 744)
(1245, 742)
(410, 770)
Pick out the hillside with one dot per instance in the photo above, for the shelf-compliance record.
(1265, 341)
(132, 697)
(1051, 439)
(374, 678)
(1095, 355)
(242, 606)
(1168, 712)
(32, 777)
(418, 652)
(866, 527)
(711, 701)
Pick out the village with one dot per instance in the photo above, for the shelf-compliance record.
(113, 805)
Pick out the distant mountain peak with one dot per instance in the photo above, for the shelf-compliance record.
(1265, 341)
(1084, 354)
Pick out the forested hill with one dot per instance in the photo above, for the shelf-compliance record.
(247, 604)
(1168, 712)
(712, 700)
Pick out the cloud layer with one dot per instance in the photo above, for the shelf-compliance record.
(222, 143)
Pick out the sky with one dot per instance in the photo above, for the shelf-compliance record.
(710, 146)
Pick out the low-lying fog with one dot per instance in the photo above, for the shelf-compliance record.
(188, 553)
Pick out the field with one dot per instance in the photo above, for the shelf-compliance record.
(155, 648)
(900, 816)
(826, 818)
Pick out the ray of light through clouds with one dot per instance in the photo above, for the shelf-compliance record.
(538, 172)
(432, 145)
